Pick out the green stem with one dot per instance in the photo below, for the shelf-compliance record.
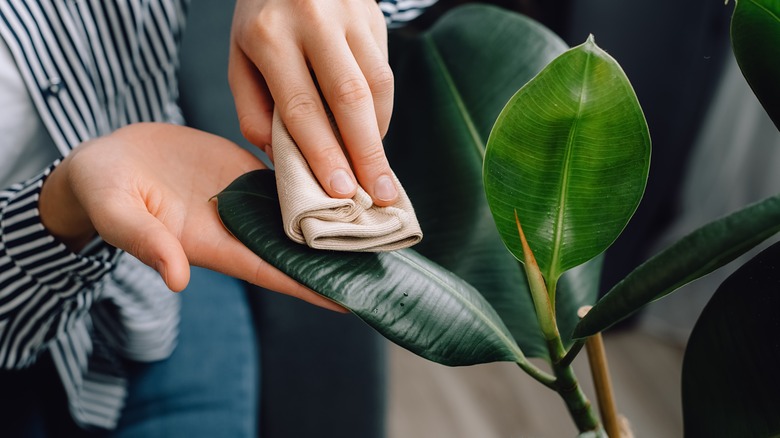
(577, 403)
(565, 382)
(539, 375)
(572, 353)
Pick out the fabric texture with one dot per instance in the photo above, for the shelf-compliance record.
(187, 394)
(89, 68)
(312, 217)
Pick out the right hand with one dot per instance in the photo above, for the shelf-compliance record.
(146, 189)
(277, 45)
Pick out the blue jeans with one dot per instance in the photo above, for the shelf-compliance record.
(209, 386)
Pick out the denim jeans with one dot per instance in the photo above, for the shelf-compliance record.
(208, 387)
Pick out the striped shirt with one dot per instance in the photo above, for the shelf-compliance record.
(91, 67)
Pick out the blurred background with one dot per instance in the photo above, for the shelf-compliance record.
(714, 150)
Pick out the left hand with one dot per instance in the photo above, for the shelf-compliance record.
(146, 189)
(275, 47)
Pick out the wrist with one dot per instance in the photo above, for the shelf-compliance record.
(60, 211)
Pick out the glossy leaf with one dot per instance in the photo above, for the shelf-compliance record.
(692, 257)
(755, 33)
(577, 287)
(408, 299)
(570, 153)
(730, 384)
(451, 83)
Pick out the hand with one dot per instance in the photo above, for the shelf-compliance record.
(146, 189)
(275, 47)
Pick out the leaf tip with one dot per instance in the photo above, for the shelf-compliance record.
(590, 45)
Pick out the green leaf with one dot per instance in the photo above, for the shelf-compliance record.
(408, 299)
(692, 257)
(452, 82)
(755, 33)
(570, 153)
(730, 384)
(577, 287)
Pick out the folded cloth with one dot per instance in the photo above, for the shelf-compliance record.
(312, 217)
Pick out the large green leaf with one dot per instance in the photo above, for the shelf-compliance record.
(692, 257)
(404, 296)
(755, 37)
(452, 82)
(570, 154)
(730, 382)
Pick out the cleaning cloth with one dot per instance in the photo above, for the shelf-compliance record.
(312, 217)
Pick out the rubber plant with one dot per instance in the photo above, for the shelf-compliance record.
(524, 161)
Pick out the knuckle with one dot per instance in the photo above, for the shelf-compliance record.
(138, 246)
(253, 131)
(351, 92)
(372, 157)
(300, 106)
(381, 80)
(261, 273)
(312, 13)
(258, 27)
(325, 157)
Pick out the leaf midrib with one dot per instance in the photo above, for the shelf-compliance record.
(479, 143)
(763, 8)
(563, 192)
(511, 343)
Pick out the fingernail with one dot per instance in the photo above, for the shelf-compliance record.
(384, 189)
(341, 183)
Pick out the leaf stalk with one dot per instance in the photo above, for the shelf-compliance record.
(542, 377)
(565, 382)
(570, 355)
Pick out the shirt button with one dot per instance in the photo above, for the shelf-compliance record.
(54, 86)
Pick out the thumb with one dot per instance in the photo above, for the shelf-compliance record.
(142, 235)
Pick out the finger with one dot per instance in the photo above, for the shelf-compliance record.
(227, 255)
(251, 268)
(302, 111)
(371, 56)
(269, 150)
(351, 101)
(142, 235)
(254, 105)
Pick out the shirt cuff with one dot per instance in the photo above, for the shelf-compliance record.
(40, 255)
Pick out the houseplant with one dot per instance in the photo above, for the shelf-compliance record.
(465, 300)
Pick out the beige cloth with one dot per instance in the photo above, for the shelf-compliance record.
(312, 217)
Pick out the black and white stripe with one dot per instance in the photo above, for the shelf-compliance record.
(398, 12)
(91, 66)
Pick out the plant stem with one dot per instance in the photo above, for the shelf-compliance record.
(565, 382)
(577, 403)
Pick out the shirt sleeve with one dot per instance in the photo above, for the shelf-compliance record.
(399, 12)
(44, 287)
